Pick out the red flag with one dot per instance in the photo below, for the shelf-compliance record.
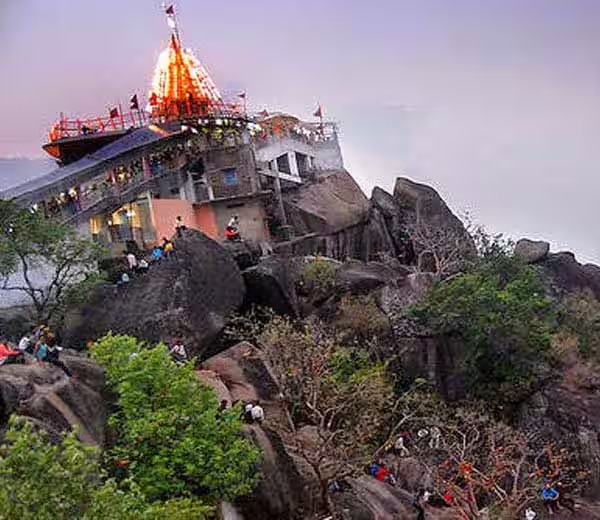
(264, 113)
(114, 112)
(170, 10)
(242, 95)
(153, 99)
(133, 103)
(318, 112)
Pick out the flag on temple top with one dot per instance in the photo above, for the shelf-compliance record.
(242, 95)
(133, 103)
(264, 113)
(318, 112)
(153, 99)
(114, 112)
(170, 10)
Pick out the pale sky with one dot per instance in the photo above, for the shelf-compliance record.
(494, 103)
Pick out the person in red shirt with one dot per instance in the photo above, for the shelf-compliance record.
(8, 355)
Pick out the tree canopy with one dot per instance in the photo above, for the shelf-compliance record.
(500, 312)
(29, 243)
(42, 480)
(169, 429)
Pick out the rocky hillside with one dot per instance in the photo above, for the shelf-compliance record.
(403, 324)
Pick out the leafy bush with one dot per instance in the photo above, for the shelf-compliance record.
(319, 274)
(579, 314)
(29, 241)
(500, 313)
(45, 481)
(360, 318)
(169, 428)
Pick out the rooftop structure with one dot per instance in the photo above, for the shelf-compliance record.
(181, 87)
(127, 177)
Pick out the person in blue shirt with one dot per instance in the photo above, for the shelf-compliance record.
(157, 253)
(550, 498)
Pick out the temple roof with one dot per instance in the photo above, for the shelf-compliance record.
(181, 86)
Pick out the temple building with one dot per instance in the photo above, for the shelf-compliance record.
(191, 153)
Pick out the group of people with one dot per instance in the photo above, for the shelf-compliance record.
(253, 412)
(137, 265)
(40, 343)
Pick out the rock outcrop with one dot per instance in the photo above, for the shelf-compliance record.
(360, 277)
(43, 393)
(188, 296)
(288, 487)
(271, 284)
(331, 202)
(563, 274)
(532, 251)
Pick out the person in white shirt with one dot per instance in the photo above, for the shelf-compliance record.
(25, 343)
(178, 352)
(143, 266)
(257, 413)
(530, 514)
(132, 261)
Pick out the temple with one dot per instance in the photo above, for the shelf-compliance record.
(190, 152)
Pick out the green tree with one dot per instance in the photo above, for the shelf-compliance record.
(61, 481)
(500, 313)
(169, 427)
(29, 243)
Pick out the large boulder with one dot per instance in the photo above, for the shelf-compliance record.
(563, 274)
(331, 202)
(43, 393)
(360, 277)
(431, 223)
(271, 284)
(288, 488)
(532, 251)
(188, 296)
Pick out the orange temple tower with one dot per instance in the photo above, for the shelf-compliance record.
(181, 87)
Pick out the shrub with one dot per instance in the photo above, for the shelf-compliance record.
(169, 427)
(501, 315)
(579, 314)
(319, 274)
(45, 481)
(360, 318)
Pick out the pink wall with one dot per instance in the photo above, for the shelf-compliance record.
(164, 213)
(206, 222)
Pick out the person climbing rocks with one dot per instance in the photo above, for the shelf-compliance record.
(400, 445)
(257, 413)
(232, 232)
(25, 344)
(247, 412)
(157, 253)
(180, 227)
(530, 514)
(385, 475)
(419, 504)
(48, 351)
(168, 248)
(550, 497)
(143, 266)
(564, 500)
(178, 352)
(9, 356)
(131, 261)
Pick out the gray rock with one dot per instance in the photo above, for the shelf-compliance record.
(189, 296)
(562, 274)
(43, 393)
(271, 284)
(532, 251)
(360, 277)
